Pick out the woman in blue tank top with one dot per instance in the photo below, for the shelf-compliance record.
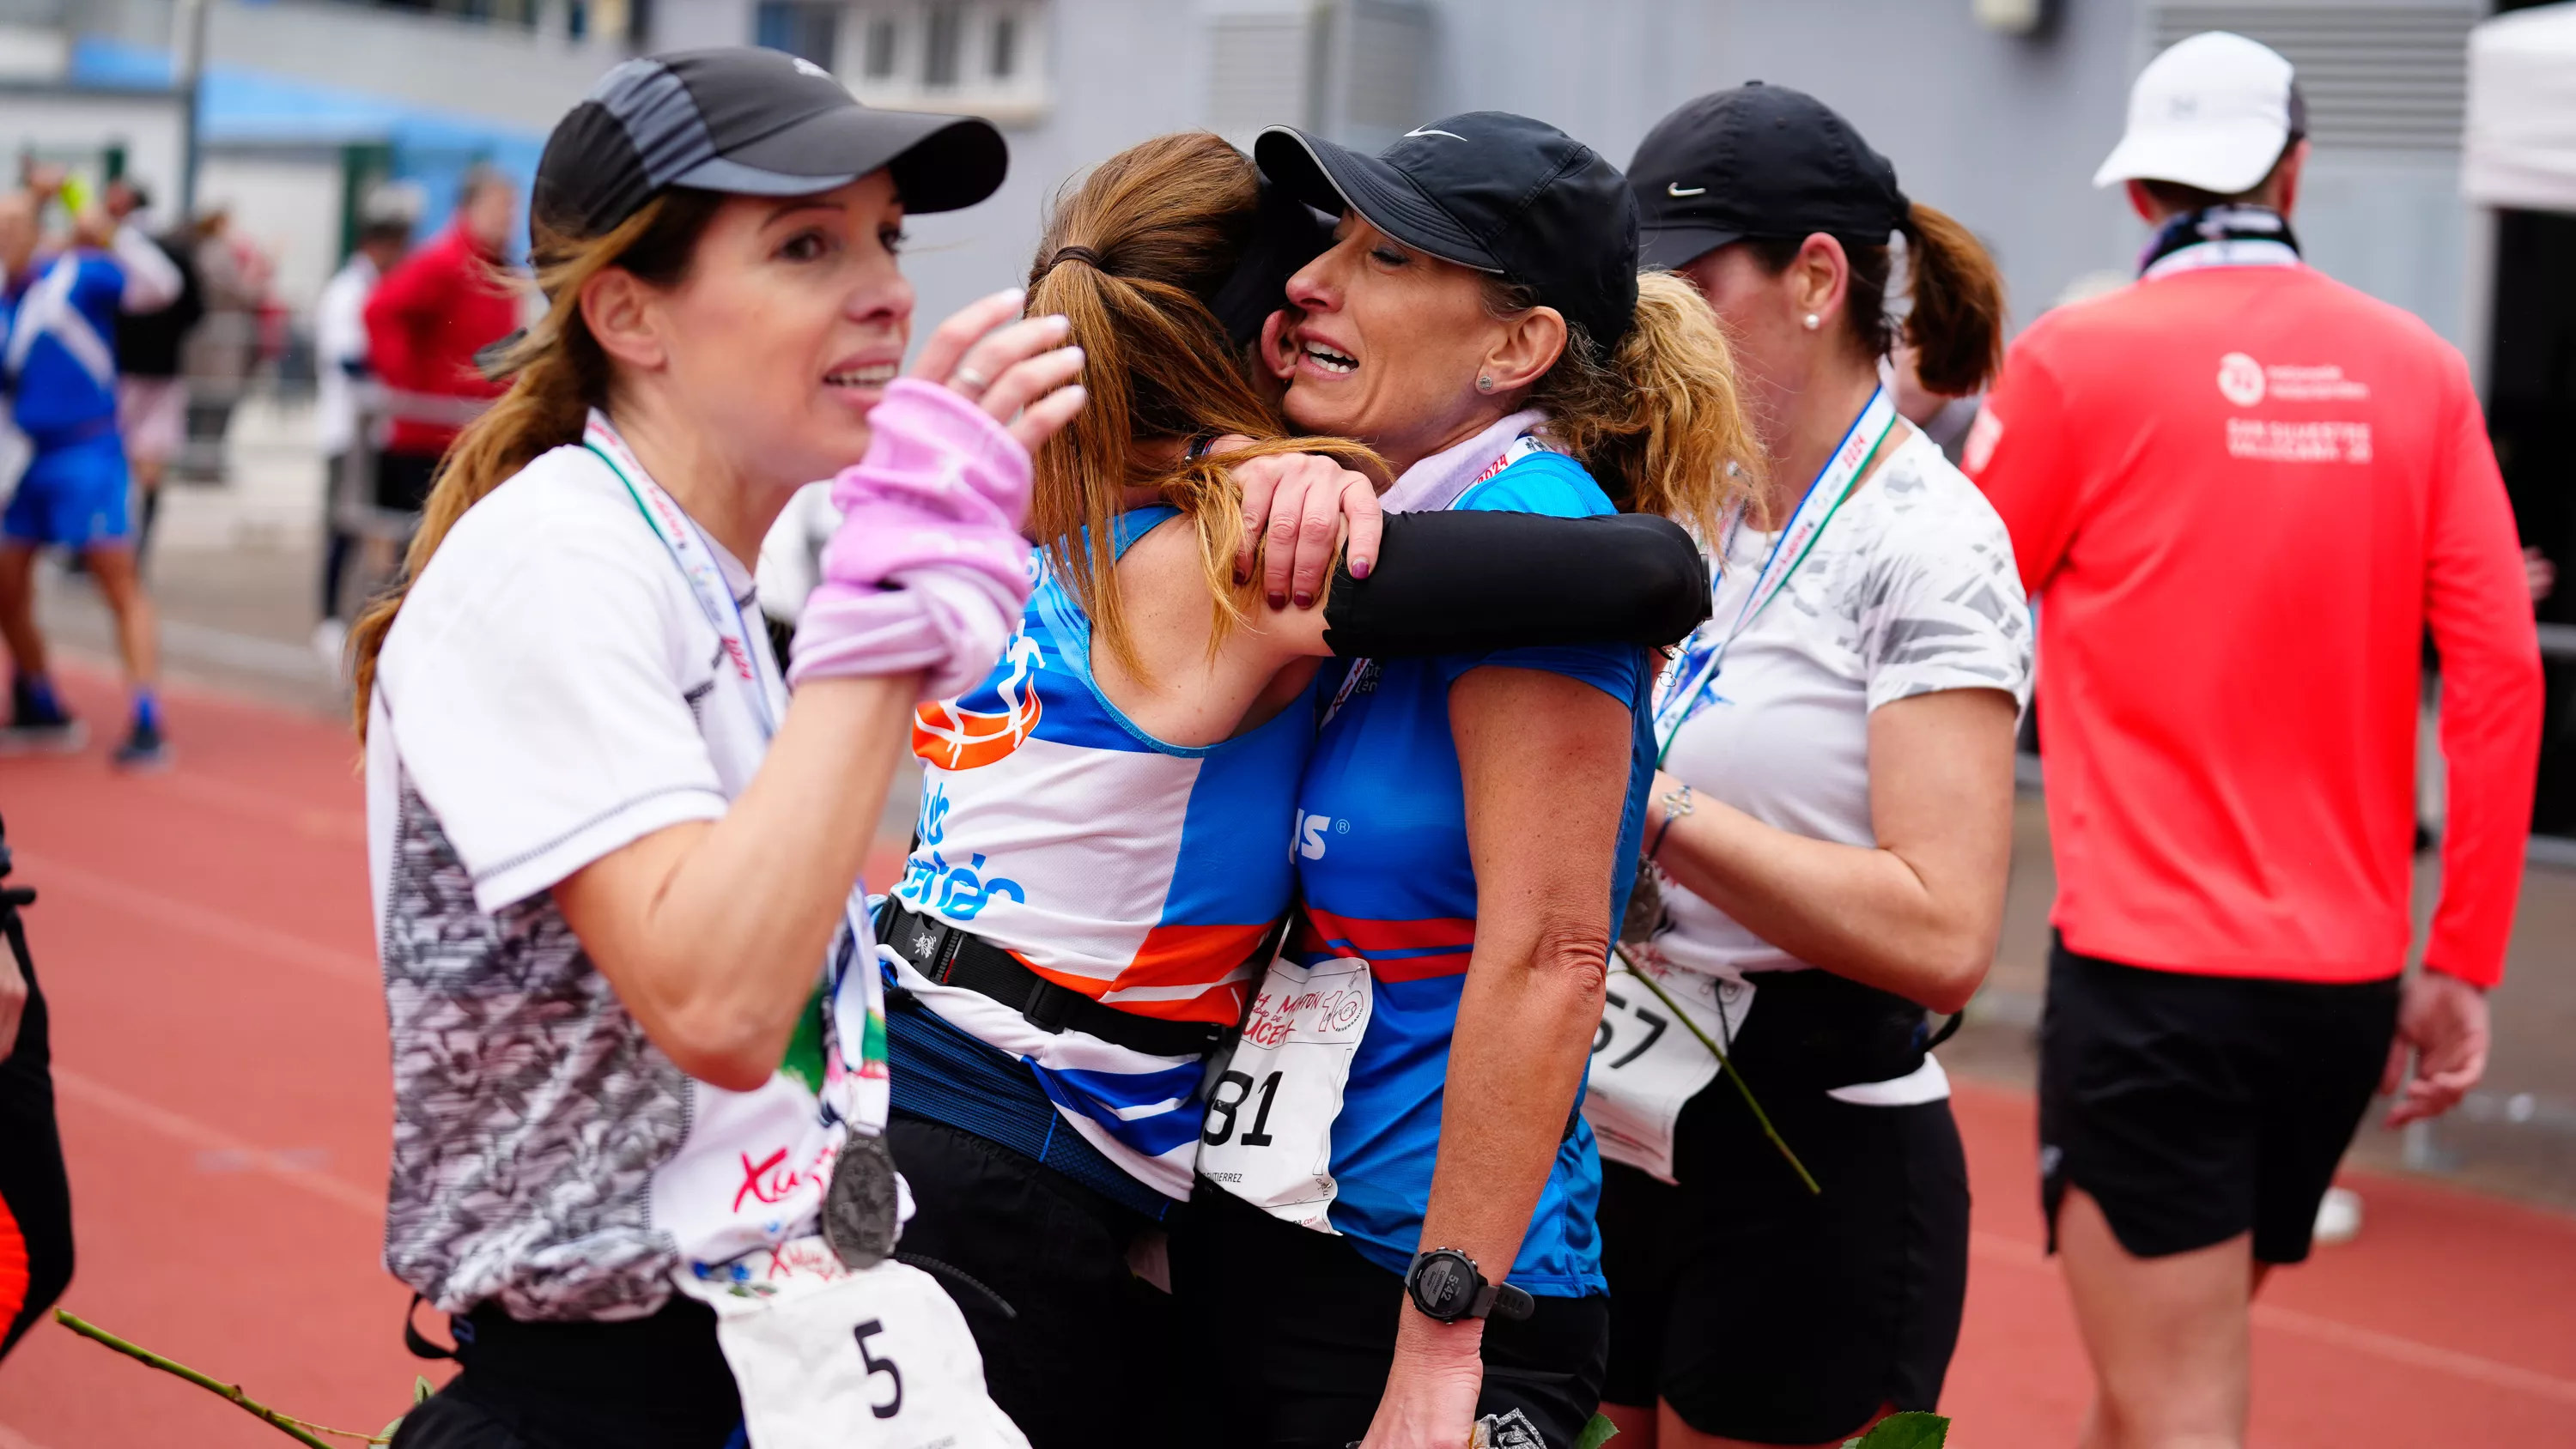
(1396, 1134)
(1105, 837)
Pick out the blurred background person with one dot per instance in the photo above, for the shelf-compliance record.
(74, 495)
(151, 386)
(2238, 562)
(340, 365)
(428, 318)
(1833, 817)
(223, 348)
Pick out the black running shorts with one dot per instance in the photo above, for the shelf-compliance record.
(1763, 1312)
(1290, 1332)
(2195, 1108)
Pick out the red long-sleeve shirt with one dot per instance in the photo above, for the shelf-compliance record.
(426, 320)
(2240, 495)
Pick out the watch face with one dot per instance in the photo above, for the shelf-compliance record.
(1442, 1284)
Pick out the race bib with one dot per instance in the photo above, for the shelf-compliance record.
(827, 1358)
(1269, 1133)
(1646, 1064)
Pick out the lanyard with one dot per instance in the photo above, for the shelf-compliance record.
(2224, 252)
(695, 557)
(856, 1035)
(1687, 685)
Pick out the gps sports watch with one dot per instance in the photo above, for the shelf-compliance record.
(1445, 1285)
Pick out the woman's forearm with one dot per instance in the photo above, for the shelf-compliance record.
(1544, 760)
(714, 934)
(1916, 914)
(1857, 911)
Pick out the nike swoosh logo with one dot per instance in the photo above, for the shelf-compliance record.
(1427, 131)
(1675, 188)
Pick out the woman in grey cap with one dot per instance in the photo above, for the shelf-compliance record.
(1393, 1241)
(1832, 820)
(638, 1042)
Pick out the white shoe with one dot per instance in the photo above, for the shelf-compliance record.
(2339, 1215)
(331, 641)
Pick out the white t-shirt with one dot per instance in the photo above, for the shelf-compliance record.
(1910, 590)
(339, 340)
(552, 691)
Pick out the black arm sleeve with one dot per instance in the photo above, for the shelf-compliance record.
(1459, 583)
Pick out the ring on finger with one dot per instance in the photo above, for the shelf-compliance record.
(969, 380)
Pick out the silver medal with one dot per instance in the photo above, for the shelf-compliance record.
(859, 1207)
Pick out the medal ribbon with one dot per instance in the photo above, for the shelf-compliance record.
(855, 1084)
(1687, 684)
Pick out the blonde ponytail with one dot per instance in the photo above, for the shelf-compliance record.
(1661, 422)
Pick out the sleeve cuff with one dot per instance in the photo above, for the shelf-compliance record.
(512, 880)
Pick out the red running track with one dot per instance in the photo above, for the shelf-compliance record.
(219, 1046)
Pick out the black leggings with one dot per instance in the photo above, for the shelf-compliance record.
(35, 1196)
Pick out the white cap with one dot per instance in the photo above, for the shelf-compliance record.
(2214, 111)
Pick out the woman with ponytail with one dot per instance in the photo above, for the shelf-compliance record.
(1832, 822)
(638, 1044)
(1394, 1238)
(1108, 820)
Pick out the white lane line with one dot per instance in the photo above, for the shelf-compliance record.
(2394, 1348)
(284, 1167)
(48, 874)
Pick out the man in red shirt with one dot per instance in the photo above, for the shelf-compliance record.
(426, 320)
(2241, 492)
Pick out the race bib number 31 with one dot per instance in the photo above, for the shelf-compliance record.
(1269, 1133)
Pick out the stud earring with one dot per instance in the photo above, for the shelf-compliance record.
(1814, 322)
(1484, 384)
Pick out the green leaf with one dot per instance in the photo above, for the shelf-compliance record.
(1911, 1430)
(422, 1388)
(1597, 1433)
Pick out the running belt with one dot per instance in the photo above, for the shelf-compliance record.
(953, 957)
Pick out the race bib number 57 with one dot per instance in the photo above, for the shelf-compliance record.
(1269, 1133)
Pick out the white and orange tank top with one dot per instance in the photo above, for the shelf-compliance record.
(1140, 873)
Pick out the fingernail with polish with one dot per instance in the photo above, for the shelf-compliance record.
(1360, 566)
(1278, 601)
(1305, 601)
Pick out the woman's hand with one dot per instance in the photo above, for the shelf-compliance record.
(1016, 373)
(1431, 1390)
(1302, 502)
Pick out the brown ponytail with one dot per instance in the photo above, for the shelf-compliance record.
(1956, 322)
(1660, 422)
(557, 375)
(1129, 256)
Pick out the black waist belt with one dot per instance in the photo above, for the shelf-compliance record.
(952, 957)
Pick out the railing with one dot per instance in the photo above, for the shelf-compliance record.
(354, 510)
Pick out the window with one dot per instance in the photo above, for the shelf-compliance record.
(1006, 46)
(799, 27)
(939, 64)
(982, 57)
(878, 64)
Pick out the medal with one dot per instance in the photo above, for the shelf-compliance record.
(859, 1207)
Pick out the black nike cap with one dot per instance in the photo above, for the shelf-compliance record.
(750, 122)
(1489, 190)
(1759, 160)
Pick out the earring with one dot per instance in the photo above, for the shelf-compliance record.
(1814, 322)
(1484, 384)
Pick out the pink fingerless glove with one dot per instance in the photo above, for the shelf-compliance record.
(927, 570)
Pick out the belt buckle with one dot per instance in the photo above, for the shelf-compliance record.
(1050, 1006)
(930, 944)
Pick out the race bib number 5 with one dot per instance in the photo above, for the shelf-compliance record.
(831, 1359)
(1269, 1133)
(1646, 1062)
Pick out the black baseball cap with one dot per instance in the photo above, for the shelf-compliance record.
(1759, 161)
(1489, 190)
(750, 122)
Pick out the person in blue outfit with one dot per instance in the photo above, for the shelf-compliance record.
(60, 360)
(1397, 1135)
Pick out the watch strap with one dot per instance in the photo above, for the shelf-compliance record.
(1503, 1301)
